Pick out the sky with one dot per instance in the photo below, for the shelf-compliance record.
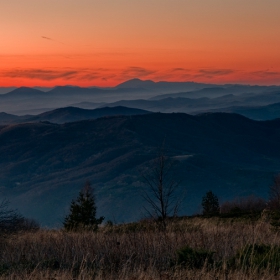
(106, 42)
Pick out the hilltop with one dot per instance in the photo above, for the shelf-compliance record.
(44, 165)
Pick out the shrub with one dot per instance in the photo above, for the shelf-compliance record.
(274, 217)
(257, 256)
(194, 258)
(11, 221)
(245, 206)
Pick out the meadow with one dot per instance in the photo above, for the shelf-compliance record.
(189, 248)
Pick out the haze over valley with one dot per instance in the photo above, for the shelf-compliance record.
(51, 144)
(257, 102)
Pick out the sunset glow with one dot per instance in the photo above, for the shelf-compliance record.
(103, 43)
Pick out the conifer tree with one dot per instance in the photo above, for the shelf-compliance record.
(83, 212)
(210, 204)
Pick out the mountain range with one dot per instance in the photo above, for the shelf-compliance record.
(165, 97)
(220, 137)
(44, 165)
(226, 103)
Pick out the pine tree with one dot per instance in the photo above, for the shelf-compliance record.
(210, 204)
(83, 212)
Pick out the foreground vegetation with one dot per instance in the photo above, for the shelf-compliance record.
(189, 248)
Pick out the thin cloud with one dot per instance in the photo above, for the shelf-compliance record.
(47, 38)
(54, 74)
(265, 73)
(180, 70)
(180, 73)
(45, 75)
(50, 39)
(215, 72)
(89, 76)
(132, 72)
(106, 74)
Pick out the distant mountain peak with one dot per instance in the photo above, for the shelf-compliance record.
(24, 91)
(67, 86)
(68, 90)
(135, 83)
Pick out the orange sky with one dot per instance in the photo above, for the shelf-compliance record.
(105, 42)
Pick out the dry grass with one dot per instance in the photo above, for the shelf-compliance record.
(135, 251)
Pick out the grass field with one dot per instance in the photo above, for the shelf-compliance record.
(221, 248)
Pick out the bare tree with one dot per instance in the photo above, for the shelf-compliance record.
(161, 190)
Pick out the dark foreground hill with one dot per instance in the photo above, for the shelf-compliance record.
(44, 165)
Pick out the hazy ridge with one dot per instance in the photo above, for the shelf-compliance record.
(165, 97)
(51, 141)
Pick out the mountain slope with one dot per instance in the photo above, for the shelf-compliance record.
(4, 117)
(73, 114)
(70, 114)
(4, 90)
(268, 112)
(22, 93)
(43, 165)
(220, 90)
(201, 104)
(10, 119)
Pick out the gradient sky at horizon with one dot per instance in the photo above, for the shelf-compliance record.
(105, 42)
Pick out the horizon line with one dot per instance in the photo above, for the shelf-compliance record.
(141, 80)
